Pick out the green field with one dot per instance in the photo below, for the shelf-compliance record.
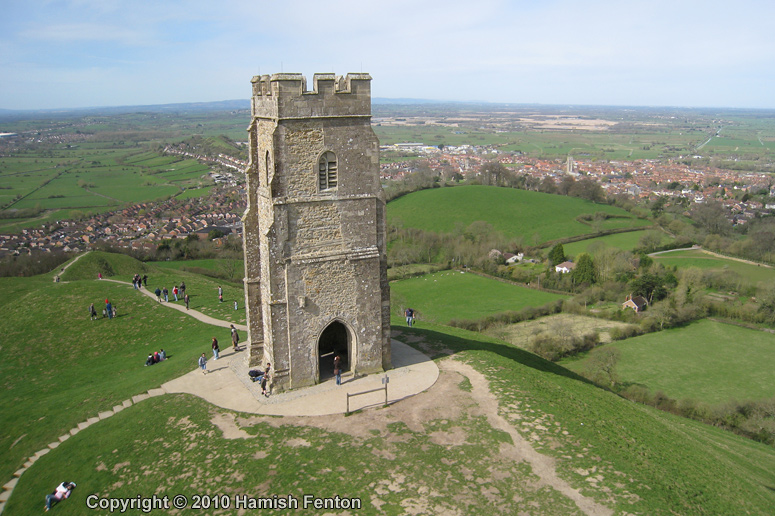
(448, 295)
(423, 455)
(624, 241)
(63, 181)
(705, 361)
(702, 260)
(224, 267)
(515, 213)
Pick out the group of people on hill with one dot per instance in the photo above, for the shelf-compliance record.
(176, 291)
(109, 311)
(156, 357)
(138, 282)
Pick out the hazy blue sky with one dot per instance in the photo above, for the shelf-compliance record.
(78, 53)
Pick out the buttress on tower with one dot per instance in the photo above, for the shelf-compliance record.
(314, 230)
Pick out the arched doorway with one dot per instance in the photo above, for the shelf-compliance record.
(335, 340)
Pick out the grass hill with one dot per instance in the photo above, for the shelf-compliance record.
(706, 361)
(202, 290)
(706, 261)
(448, 295)
(438, 452)
(624, 241)
(515, 213)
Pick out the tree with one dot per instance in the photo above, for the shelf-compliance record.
(658, 206)
(584, 272)
(557, 255)
(602, 363)
(214, 233)
(587, 189)
(495, 174)
(712, 217)
(650, 241)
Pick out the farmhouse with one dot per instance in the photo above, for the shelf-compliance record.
(564, 267)
(637, 303)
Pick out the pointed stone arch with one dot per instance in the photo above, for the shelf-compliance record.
(335, 339)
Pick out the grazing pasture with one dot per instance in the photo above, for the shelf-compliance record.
(534, 216)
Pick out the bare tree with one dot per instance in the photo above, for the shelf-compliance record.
(602, 363)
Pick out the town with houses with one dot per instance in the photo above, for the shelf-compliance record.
(144, 226)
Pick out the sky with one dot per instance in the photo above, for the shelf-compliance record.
(682, 53)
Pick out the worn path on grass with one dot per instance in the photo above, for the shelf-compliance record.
(182, 308)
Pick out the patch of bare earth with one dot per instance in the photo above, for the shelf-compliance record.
(445, 402)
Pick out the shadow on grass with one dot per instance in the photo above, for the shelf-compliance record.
(440, 344)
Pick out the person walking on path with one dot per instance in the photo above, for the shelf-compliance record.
(182, 288)
(158, 294)
(175, 292)
(99, 275)
(338, 369)
(145, 280)
(234, 338)
(203, 363)
(92, 312)
(220, 294)
(216, 349)
(409, 313)
(185, 298)
(62, 491)
(166, 294)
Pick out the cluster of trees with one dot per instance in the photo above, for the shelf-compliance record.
(32, 264)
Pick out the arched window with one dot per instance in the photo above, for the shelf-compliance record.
(327, 175)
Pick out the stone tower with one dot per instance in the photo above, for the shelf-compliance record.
(314, 230)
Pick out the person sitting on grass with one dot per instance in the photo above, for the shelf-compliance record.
(149, 360)
(62, 491)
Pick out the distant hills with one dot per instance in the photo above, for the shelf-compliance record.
(185, 107)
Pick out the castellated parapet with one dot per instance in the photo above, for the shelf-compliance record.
(314, 230)
(285, 95)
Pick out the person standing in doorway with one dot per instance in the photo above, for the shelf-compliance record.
(216, 349)
(338, 369)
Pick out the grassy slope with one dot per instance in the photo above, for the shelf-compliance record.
(701, 260)
(60, 368)
(649, 462)
(202, 291)
(515, 213)
(706, 361)
(625, 241)
(448, 295)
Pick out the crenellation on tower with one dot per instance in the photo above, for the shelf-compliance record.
(285, 95)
